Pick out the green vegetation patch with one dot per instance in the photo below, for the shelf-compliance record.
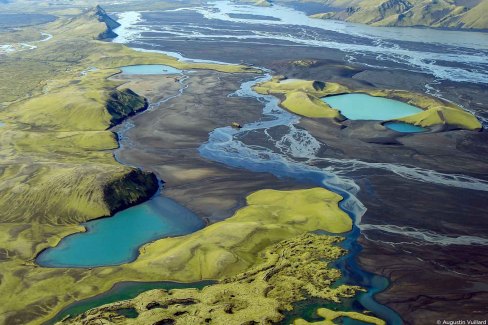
(56, 159)
(302, 97)
(289, 271)
(219, 251)
(331, 316)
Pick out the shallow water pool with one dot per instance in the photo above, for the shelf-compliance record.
(149, 69)
(404, 127)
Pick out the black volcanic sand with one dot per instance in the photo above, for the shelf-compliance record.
(166, 141)
(427, 279)
(429, 282)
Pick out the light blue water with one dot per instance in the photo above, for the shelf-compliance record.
(116, 240)
(149, 69)
(404, 127)
(225, 145)
(366, 107)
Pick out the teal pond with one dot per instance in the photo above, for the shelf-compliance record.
(116, 240)
(366, 107)
(404, 127)
(148, 69)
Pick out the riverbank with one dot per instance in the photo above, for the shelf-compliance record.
(57, 156)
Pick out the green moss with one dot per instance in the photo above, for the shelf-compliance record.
(122, 104)
(56, 159)
(302, 97)
(307, 105)
(436, 111)
(289, 271)
(126, 191)
(331, 315)
(219, 251)
(440, 13)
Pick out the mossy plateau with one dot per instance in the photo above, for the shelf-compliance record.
(289, 271)
(56, 160)
(331, 315)
(220, 251)
(56, 149)
(302, 97)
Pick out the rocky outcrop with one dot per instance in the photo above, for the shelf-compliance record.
(109, 22)
(131, 189)
(124, 103)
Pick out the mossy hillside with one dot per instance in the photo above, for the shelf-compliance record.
(330, 316)
(441, 13)
(476, 18)
(58, 128)
(302, 97)
(69, 193)
(74, 48)
(124, 103)
(56, 159)
(218, 251)
(230, 246)
(289, 271)
(308, 105)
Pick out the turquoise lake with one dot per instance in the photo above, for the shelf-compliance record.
(116, 240)
(366, 107)
(404, 127)
(149, 69)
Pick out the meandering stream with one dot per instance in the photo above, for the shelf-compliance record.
(293, 153)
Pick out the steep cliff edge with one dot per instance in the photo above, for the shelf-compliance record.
(109, 22)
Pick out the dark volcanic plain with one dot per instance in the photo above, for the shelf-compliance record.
(430, 280)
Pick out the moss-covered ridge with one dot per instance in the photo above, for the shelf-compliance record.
(330, 316)
(218, 251)
(56, 159)
(439, 14)
(302, 97)
(288, 271)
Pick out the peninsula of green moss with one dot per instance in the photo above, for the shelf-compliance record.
(302, 97)
(289, 271)
(331, 315)
(219, 251)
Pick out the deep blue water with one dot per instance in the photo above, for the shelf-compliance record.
(116, 240)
